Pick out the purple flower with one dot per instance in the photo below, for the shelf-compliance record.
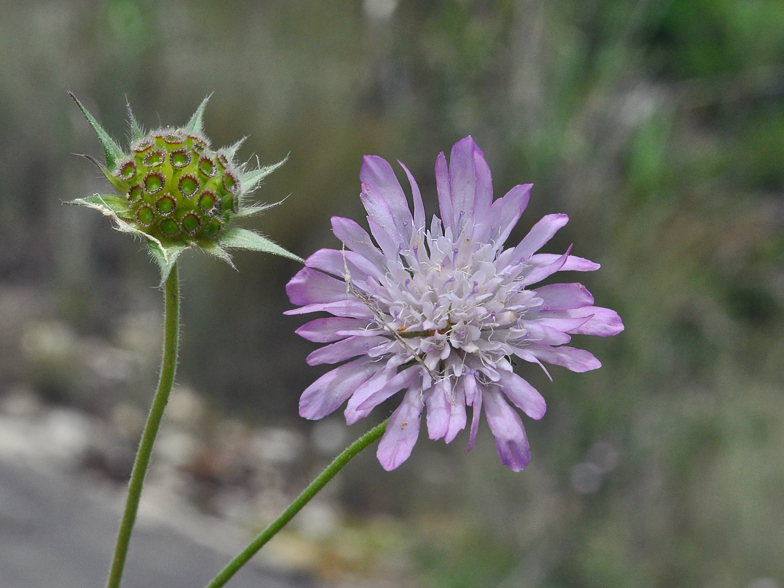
(439, 313)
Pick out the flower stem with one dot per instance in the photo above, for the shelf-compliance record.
(288, 514)
(171, 335)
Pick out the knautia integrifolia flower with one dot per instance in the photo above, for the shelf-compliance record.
(440, 313)
(176, 192)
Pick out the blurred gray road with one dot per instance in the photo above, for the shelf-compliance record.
(55, 533)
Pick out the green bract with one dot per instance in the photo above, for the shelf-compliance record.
(177, 192)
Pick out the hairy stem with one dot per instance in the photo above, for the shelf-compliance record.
(288, 514)
(171, 335)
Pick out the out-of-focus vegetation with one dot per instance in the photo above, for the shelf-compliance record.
(657, 126)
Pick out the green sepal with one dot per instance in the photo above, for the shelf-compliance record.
(113, 204)
(164, 255)
(214, 249)
(136, 129)
(231, 150)
(237, 238)
(111, 150)
(253, 210)
(196, 124)
(119, 210)
(115, 207)
(116, 182)
(250, 180)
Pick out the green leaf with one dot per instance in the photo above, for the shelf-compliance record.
(236, 238)
(196, 124)
(250, 180)
(111, 149)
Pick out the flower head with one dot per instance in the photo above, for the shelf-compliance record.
(176, 192)
(440, 312)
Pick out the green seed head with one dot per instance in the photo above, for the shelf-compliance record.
(177, 192)
(173, 175)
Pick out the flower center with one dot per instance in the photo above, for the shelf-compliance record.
(450, 307)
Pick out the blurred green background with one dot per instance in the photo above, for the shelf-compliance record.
(658, 126)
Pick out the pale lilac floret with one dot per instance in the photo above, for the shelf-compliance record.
(438, 312)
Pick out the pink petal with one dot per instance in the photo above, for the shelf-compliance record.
(330, 261)
(375, 382)
(401, 432)
(523, 395)
(419, 207)
(526, 355)
(470, 183)
(596, 320)
(604, 322)
(573, 263)
(576, 360)
(509, 209)
(365, 331)
(357, 239)
(507, 427)
(378, 209)
(565, 325)
(377, 389)
(345, 308)
(343, 350)
(540, 234)
(335, 262)
(477, 413)
(388, 241)
(543, 334)
(537, 274)
(457, 415)
(444, 191)
(309, 286)
(484, 183)
(379, 181)
(438, 410)
(325, 330)
(563, 297)
(382, 220)
(403, 379)
(469, 385)
(326, 394)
